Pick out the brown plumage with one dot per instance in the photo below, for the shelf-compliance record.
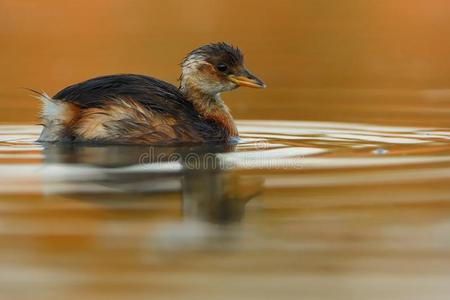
(137, 109)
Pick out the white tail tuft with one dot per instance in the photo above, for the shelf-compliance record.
(51, 109)
(53, 115)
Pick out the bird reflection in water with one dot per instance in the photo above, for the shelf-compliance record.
(212, 192)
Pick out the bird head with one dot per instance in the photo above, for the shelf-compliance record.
(216, 68)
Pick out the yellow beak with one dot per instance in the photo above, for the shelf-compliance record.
(247, 79)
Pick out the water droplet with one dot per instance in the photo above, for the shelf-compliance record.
(380, 151)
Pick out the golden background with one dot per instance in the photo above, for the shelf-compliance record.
(373, 61)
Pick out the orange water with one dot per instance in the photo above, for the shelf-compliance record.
(313, 209)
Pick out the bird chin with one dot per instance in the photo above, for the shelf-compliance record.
(229, 87)
(214, 88)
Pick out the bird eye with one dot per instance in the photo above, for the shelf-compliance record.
(222, 67)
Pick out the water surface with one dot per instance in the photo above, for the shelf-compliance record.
(310, 210)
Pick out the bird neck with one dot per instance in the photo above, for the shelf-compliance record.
(210, 107)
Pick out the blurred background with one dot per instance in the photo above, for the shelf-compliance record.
(372, 61)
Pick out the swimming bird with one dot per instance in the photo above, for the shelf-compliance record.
(138, 109)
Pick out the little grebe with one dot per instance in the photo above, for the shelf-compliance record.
(137, 109)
